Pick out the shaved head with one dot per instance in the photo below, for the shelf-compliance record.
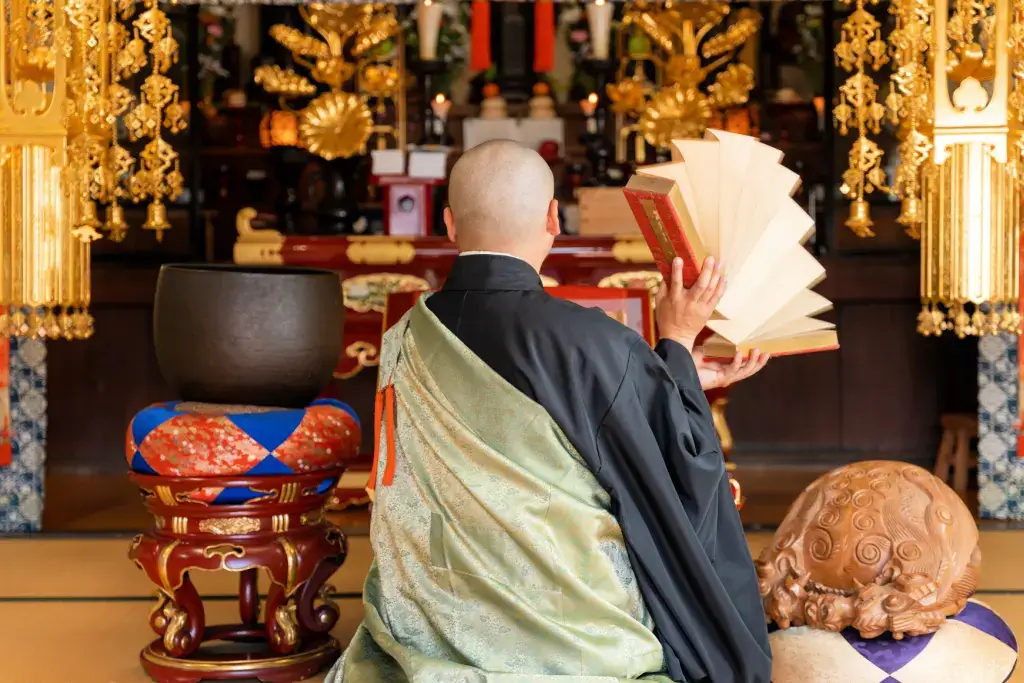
(500, 198)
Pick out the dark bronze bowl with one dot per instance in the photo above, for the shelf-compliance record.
(267, 336)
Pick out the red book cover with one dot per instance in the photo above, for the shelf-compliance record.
(658, 208)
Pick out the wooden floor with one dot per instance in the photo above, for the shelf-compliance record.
(104, 504)
(74, 610)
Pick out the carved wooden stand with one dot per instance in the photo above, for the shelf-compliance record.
(283, 532)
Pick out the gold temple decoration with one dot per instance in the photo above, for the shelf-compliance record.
(229, 526)
(62, 64)
(379, 250)
(860, 50)
(369, 293)
(684, 42)
(956, 101)
(357, 58)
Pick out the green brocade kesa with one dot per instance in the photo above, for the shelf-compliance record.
(497, 559)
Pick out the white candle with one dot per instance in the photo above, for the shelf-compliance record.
(589, 105)
(428, 25)
(440, 106)
(599, 19)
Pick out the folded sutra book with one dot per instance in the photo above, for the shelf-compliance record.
(729, 196)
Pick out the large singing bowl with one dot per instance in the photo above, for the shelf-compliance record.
(261, 336)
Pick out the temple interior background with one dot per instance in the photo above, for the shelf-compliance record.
(253, 193)
(881, 396)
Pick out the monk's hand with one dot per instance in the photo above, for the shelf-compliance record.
(682, 313)
(716, 374)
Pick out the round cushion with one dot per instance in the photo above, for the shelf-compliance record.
(178, 439)
(975, 646)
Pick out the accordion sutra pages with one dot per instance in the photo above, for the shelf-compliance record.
(728, 196)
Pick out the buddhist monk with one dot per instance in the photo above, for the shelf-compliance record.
(550, 498)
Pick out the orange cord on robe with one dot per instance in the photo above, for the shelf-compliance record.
(543, 36)
(480, 36)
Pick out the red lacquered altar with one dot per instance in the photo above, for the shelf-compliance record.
(373, 267)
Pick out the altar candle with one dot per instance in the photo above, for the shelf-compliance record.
(428, 25)
(589, 106)
(440, 106)
(599, 19)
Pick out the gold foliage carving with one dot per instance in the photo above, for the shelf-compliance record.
(229, 526)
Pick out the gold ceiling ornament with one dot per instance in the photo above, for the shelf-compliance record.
(62, 63)
(970, 237)
(956, 100)
(114, 42)
(355, 62)
(44, 268)
(859, 51)
(910, 105)
(687, 42)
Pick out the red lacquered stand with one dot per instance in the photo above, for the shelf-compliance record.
(284, 533)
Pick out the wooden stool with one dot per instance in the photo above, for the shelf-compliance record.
(955, 449)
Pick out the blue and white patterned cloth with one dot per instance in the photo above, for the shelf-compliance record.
(21, 483)
(976, 646)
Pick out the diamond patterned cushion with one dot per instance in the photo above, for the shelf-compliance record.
(200, 440)
(976, 646)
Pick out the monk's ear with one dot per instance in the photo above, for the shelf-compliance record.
(449, 223)
(553, 226)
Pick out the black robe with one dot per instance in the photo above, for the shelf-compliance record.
(639, 419)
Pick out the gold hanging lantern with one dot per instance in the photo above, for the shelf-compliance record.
(957, 101)
(61, 98)
(971, 230)
(44, 263)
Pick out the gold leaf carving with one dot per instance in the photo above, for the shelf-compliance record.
(631, 251)
(229, 526)
(379, 251)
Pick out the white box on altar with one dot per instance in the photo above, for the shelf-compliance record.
(478, 131)
(387, 161)
(429, 164)
(529, 132)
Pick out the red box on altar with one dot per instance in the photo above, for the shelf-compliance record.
(408, 205)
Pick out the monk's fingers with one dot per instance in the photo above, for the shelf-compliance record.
(662, 292)
(677, 279)
(719, 290)
(696, 293)
(710, 293)
(753, 364)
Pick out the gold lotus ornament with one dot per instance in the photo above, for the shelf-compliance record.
(278, 81)
(379, 80)
(689, 41)
(675, 112)
(335, 125)
(379, 29)
(628, 97)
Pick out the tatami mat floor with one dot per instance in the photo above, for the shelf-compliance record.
(74, 610)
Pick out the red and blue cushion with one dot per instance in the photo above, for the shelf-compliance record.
(178, 439)
(975, 646)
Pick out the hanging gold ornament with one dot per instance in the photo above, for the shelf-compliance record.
(859, 51)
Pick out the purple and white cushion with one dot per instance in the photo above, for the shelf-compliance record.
(976, 646)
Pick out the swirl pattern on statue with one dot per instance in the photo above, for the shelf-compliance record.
(883, 547)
